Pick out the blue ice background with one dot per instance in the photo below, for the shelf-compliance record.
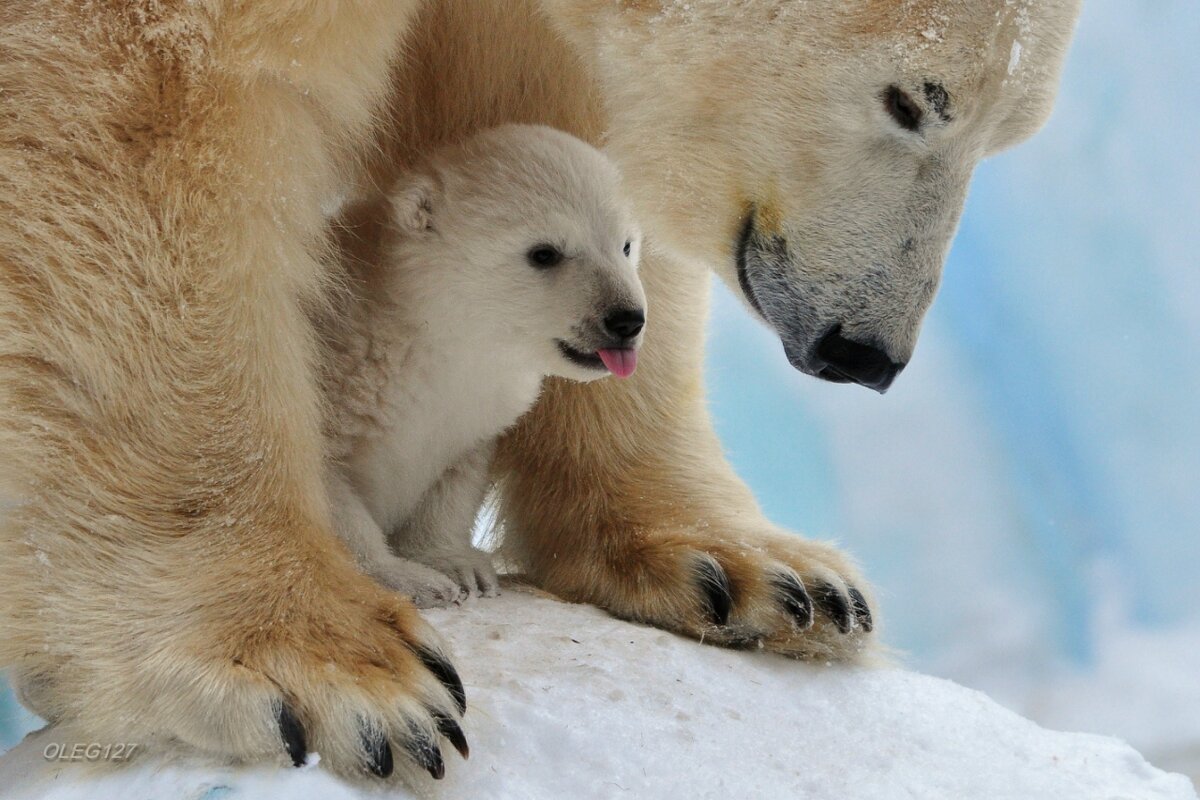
(1041, 456)
(1042, 453)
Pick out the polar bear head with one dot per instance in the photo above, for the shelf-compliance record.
(816, 153)
(519, 239)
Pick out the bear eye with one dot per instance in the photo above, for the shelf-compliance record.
(902, 108)
(544, 256)
(627, 248)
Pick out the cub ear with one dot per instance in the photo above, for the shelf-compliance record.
(413, 204)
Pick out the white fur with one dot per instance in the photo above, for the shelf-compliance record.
(852, 214)
(449, 345)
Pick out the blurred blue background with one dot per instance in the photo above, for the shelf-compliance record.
(1025, 498)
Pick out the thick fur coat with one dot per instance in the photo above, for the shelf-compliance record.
(167, 171)
(506, 258)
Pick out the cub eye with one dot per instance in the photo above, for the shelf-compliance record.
(544, 256)
(902, 108)
(627, 248)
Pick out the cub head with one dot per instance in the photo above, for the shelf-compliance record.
(817, 154)
(521, 239)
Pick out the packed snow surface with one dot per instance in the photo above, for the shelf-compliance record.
(568, 702)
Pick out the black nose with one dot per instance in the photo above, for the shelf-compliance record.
(626, 322)
(847, 361)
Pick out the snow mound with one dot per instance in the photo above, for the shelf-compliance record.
(566, 701)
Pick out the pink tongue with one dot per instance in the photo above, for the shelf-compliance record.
(620, 361)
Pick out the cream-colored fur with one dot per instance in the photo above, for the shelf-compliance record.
(720, 114)
(454, 328)
(168, 569)
(167, 566)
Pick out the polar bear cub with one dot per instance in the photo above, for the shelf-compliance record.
(504, 259)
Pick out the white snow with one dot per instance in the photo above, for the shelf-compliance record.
(568, 702)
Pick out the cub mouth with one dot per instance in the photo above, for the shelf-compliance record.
(620, 361)
(587, 360)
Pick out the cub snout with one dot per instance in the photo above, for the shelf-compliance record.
(613, 344)
(625, 323)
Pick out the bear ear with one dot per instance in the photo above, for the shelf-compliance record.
(413, 205)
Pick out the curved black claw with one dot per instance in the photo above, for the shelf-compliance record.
(714, 583)
(292, 733)
(378, 753)
(861, 610)
(426, 753)
(835, 605)
(445, 672)
(795, 599)
(451, 730)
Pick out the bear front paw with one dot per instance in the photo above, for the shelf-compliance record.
(339, 667)
(830, 597)
(771, 590)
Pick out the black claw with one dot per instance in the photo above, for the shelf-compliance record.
(450, 729)
(426, 753)
(378, 752)
(715, 585)
(835, 605)
(862, 610)
(292, 733)
(445, 672)
(437, 767)
(795, 599)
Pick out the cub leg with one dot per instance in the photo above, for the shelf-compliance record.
(427, 587)
(439, 532)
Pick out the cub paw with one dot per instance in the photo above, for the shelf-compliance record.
(471, 569)
(427, 586)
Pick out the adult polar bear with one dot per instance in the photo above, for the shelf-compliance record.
(166, 563)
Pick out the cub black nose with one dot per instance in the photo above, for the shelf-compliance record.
(847, 361)
(626, 322)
